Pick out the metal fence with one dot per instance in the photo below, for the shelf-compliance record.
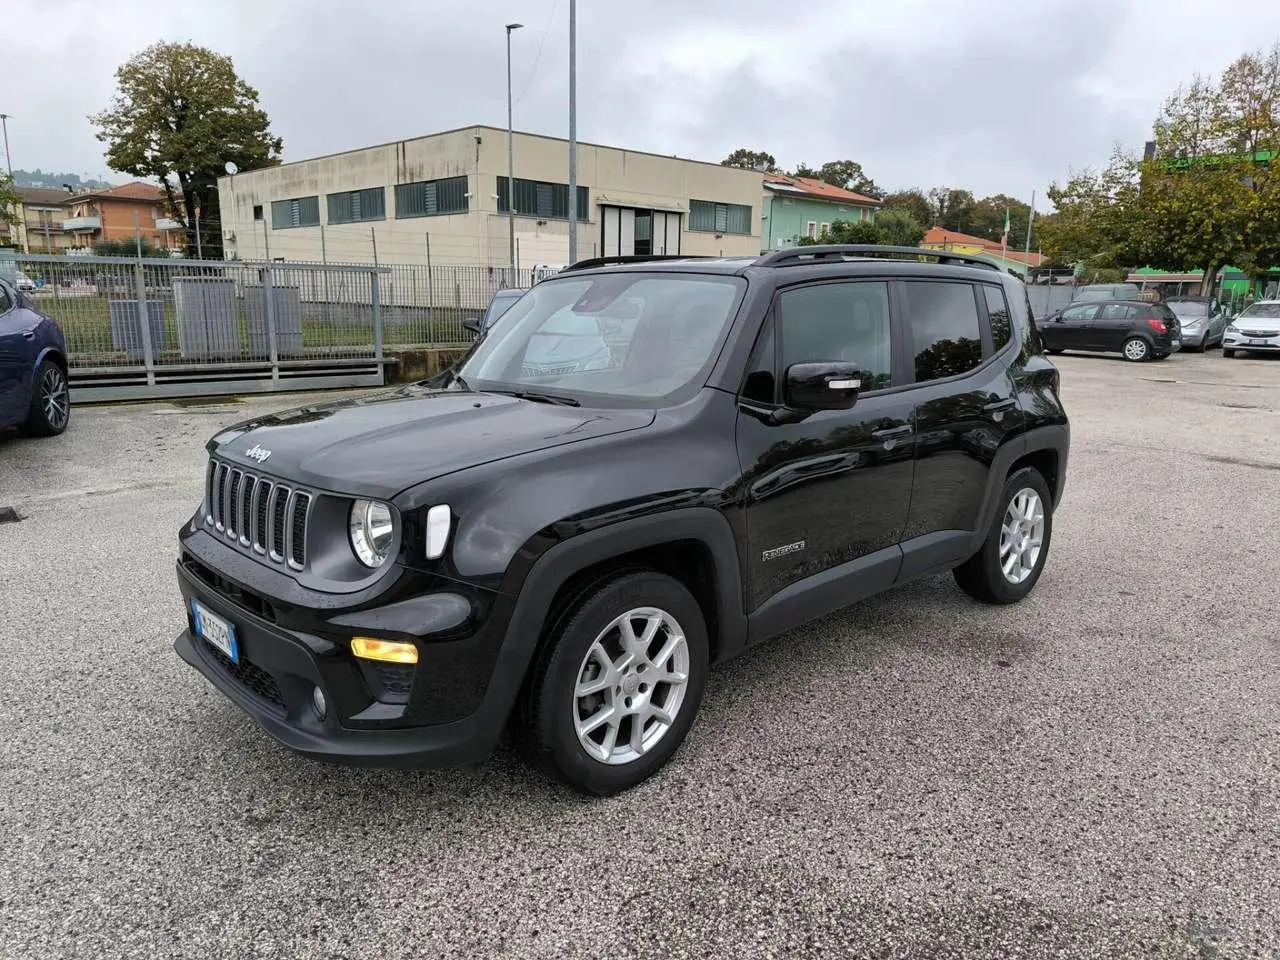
(153, 327)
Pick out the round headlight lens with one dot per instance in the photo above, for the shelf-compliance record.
(371, 532)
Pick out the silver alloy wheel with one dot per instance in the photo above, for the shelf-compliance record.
(1021, 535)
(1135, 349)
(631, 685)
(54, 398)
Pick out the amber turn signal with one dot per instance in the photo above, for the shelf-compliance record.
(388, 651)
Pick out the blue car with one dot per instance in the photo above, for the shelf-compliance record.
(33, 368)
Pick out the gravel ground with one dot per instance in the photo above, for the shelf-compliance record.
(1094, 772)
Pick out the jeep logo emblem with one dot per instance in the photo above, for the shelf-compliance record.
(258, 452)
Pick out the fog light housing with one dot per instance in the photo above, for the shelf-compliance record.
(318, 702)
(386, 651)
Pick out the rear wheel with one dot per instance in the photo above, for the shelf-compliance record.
(1136, 349)
(619, 684)
(50, 402)
(1009, 562)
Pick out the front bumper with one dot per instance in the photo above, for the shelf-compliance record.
(280, 669)
(1237, 341)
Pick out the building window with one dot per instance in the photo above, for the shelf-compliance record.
(811, 229)
(298, 212)
(824, 229)
(712, 217)
(537, 198)
(431, 198)
(355, 206)
(257, 211)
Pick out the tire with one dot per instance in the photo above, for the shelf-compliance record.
(50, 402)
(587, 641)
(982, 576)
(1228, 353)
(1054, 350)
(1137, 350)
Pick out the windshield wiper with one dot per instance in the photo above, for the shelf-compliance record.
(540, 397)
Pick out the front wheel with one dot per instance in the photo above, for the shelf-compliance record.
(1136, 349)
(617, 688)
(1010, 560)
(50, 402)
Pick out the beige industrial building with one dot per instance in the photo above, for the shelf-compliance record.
(443, 198)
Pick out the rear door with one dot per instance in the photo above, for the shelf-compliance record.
(1112, 326)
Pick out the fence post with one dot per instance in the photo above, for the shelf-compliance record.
(377, 319)
(144, 316)
(269, 300)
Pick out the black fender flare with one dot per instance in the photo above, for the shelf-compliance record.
(1055, 437)
(557, 565)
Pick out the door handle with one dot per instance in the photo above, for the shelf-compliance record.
(1005, 403)
(28, 334)
(891, 433)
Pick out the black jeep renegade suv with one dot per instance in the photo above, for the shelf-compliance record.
(705, 453)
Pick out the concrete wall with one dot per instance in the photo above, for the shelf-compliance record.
(787, 218)
(479, 236)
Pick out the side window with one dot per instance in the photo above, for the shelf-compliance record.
(998, 311)
(947, 338)
(760, 384)
(845, 320)
(1078, 313)
(6, 303)
(1118, 311)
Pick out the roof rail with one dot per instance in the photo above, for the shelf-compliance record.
(793, 256)
(630, 258)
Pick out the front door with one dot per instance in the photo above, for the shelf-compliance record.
(1073, 330)
(14, 360)
(826, 499)
(965, 409)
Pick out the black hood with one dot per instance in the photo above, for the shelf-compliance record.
(378, 445)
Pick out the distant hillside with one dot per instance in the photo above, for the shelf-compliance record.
(54, 181)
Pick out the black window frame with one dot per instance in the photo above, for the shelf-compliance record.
(329, 199)
(984, 318)
(532, 190)
(448, 187)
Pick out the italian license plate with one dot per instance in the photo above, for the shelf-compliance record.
(217, 631)
(1257, 343)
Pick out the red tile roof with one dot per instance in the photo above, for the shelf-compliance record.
(818, 190)
(940, 237)
(137, 190)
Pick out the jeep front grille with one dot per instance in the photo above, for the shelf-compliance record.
(258, 514)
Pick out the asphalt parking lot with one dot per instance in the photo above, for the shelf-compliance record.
(1093, 772)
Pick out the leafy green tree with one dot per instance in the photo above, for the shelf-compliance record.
(745, 159)
(897, 227)
(9, 201)
(849, 175)
(179, 114)
(914, 201)
(952, 208)
(126, 248)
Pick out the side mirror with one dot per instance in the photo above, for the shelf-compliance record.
(472, 324)
(823, 385)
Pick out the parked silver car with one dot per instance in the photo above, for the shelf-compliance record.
(1255, 329)
(1202, 321)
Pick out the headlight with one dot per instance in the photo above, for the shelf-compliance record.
(1231, 328)
(371, 532)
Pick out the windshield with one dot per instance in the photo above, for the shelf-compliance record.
(1119, 291)
(1270, 311)
(628, 335)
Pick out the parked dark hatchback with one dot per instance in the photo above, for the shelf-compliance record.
(1134, 328)
(398, 578)
(33, 368)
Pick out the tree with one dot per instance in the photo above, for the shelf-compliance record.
(180, 113)
(897, 227)
(126, 248)
(951, 208)
(849, 175)
(9, 201)
(745, 159)
(914, 202)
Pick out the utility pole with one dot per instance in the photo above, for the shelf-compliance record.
(1031, 215)
(511, 163)
(573, 131)
(22, 225)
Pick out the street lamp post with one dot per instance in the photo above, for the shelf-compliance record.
(511, 163)
(4, 124)
(573, 132)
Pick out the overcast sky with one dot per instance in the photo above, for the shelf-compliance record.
(991, 95)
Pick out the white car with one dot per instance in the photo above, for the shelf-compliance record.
(23, 282)
(1255, 329)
